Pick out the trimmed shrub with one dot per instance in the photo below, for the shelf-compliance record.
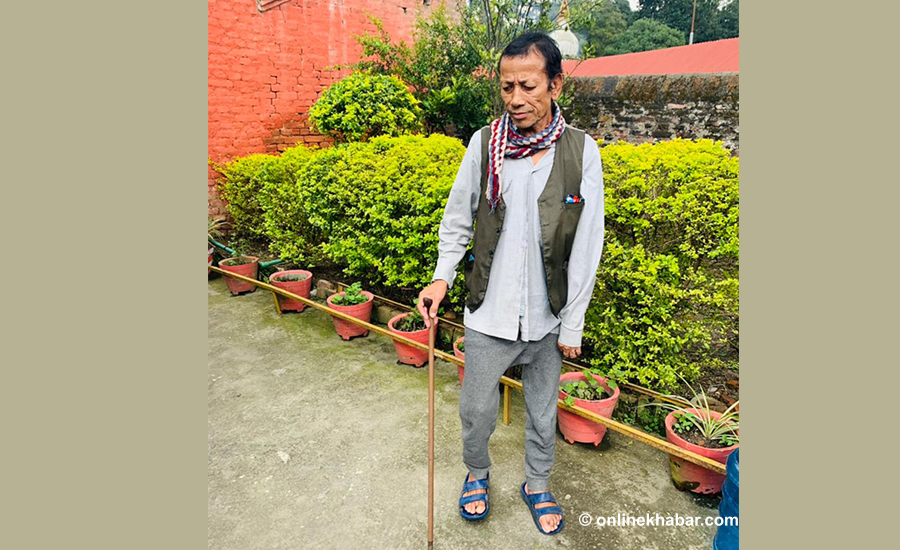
(285, 221)
(362, 105)
(240, 185)
(666, 299)
(379, 205)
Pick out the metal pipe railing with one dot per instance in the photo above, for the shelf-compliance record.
(616, 426)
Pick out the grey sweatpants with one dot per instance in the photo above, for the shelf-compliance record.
(487, 358)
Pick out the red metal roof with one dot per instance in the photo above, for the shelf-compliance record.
(720, 56)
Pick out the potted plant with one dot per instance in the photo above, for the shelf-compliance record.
(703, 431)
(212, 234)
(248, 266)
(354, 302)
(459, 350)
(297, 281)
(590, 391)
(412, 326)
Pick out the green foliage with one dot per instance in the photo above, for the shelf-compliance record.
(441, 67)
(452, 65)
(364, 105)
(597, 22)
(665, 302)
(683, 423)
(587, 388)
(723, 429)
(291, 237)
(644, 35)
(292, 277)
(240, 185)
(351, 297)
(729, 25)
(261, 191)
(411, 322)
(666, 299)
(379, 205)
(240, 260)
(215, 228)
(652, 420)
(710, 23)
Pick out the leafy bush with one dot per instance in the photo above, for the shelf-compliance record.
(364, 105)
(452, 65)
(291, 237)
(666, 299)
(240, 185)
(379, 205)
(441, 67)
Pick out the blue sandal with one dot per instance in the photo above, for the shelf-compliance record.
(536, 513)
(474, 486)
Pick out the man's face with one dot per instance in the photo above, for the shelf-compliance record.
(523, 86)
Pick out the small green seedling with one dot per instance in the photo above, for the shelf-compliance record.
(587, 388)
(352, 296)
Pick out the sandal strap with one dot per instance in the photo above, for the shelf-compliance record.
(537, 498)
(473, 498)
(475, 485)
(549, 510)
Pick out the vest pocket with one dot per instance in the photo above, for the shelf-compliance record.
(571, 214)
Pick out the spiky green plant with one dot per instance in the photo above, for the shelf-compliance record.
(723, 429)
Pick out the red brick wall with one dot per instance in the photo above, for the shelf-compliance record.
(267, 69)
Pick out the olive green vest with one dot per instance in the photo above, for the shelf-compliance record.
(558, 219)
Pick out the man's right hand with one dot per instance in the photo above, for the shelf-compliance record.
(436, 291)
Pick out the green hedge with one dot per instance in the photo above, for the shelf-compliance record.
(379, 205)
(240, 185)
(666, 300)
(285, 219)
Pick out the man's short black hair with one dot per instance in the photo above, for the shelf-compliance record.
(545, 45)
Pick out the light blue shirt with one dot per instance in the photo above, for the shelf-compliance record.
(516, 302)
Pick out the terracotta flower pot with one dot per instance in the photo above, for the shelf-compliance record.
(362, 311)
(688, 476)
(209, 259)
(409, 355)
(575, 428)
(300, 288)
(460, 355)
(247, 270)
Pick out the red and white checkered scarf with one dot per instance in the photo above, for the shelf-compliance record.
(507, 142)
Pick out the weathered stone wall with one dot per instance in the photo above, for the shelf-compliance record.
(650, 108)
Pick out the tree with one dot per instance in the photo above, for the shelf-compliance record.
(644, 35)
(452, 66)
(728, 20)
(625, 8)
(677, 14)
(597, 22)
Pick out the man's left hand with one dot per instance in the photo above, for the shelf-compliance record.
(569, 352)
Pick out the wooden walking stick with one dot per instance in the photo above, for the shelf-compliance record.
(431, 333)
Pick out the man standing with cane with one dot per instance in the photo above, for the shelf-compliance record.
(534, 186)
